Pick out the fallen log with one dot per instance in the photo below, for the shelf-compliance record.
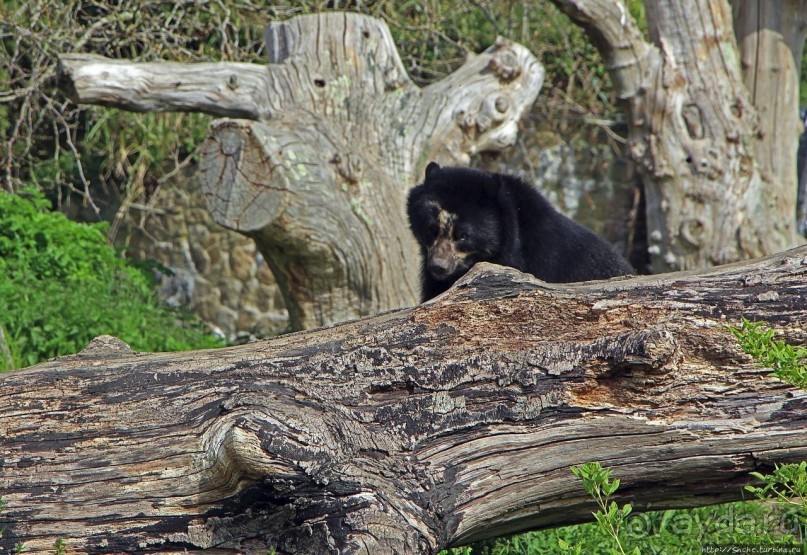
(414, 430)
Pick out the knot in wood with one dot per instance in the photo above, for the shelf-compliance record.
(695, 231)
(464, 119)
(494, 111)
(393, 79)
(504, 63)
(483, 123)
(652, 349)
(350, 167)
(285, 450)
(693, 119)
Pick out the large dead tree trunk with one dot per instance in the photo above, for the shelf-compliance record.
(410, 431)
(715, 141)
(333, 133)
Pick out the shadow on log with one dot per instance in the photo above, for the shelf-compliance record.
(332, 135)
(413, 430)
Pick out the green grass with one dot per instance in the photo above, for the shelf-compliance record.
(671, 532)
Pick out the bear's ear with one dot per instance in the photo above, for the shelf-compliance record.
(432, 169)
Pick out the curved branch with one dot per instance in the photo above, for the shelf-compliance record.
(617, 37)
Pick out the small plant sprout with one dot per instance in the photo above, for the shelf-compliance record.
(598, 484)
(788, 362)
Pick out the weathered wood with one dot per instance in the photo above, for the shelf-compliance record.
(771, 42)
(334, 135)
(410, 431)
(719, 181)
(227, 89)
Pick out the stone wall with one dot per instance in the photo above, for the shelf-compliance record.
(214, 272)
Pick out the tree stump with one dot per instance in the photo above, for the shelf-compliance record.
(413, 430)
(332, 134)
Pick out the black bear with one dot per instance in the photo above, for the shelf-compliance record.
(461, 216)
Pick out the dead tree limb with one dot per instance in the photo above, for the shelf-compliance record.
(414, 430)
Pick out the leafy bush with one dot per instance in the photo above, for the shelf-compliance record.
(611, 517)
(61, 285)
(787, 485)
(670, 532)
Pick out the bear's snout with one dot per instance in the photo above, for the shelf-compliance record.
(442, 262)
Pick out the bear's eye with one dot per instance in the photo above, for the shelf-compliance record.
(462, 236)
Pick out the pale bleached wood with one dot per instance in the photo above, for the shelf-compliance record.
(228, 89)
(410, 431)
(333, 136)
(717, 161)
(771, 39)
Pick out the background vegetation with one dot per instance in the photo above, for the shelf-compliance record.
(60, 284)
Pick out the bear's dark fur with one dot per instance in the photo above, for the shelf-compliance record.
(461, 216)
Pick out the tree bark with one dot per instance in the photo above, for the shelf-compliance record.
(414, 430)
(333, 133)
(719, 181)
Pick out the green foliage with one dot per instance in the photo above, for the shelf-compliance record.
(61, 285)
(789, 363)
(803, 81)
(434, 37)
(598, 484)
(671, 532)
(788, 486)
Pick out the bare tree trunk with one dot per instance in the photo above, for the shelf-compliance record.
(715, 190)
(771, 39)
(334, 134)
(411, 431)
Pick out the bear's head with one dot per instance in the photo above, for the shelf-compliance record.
(456, 220)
